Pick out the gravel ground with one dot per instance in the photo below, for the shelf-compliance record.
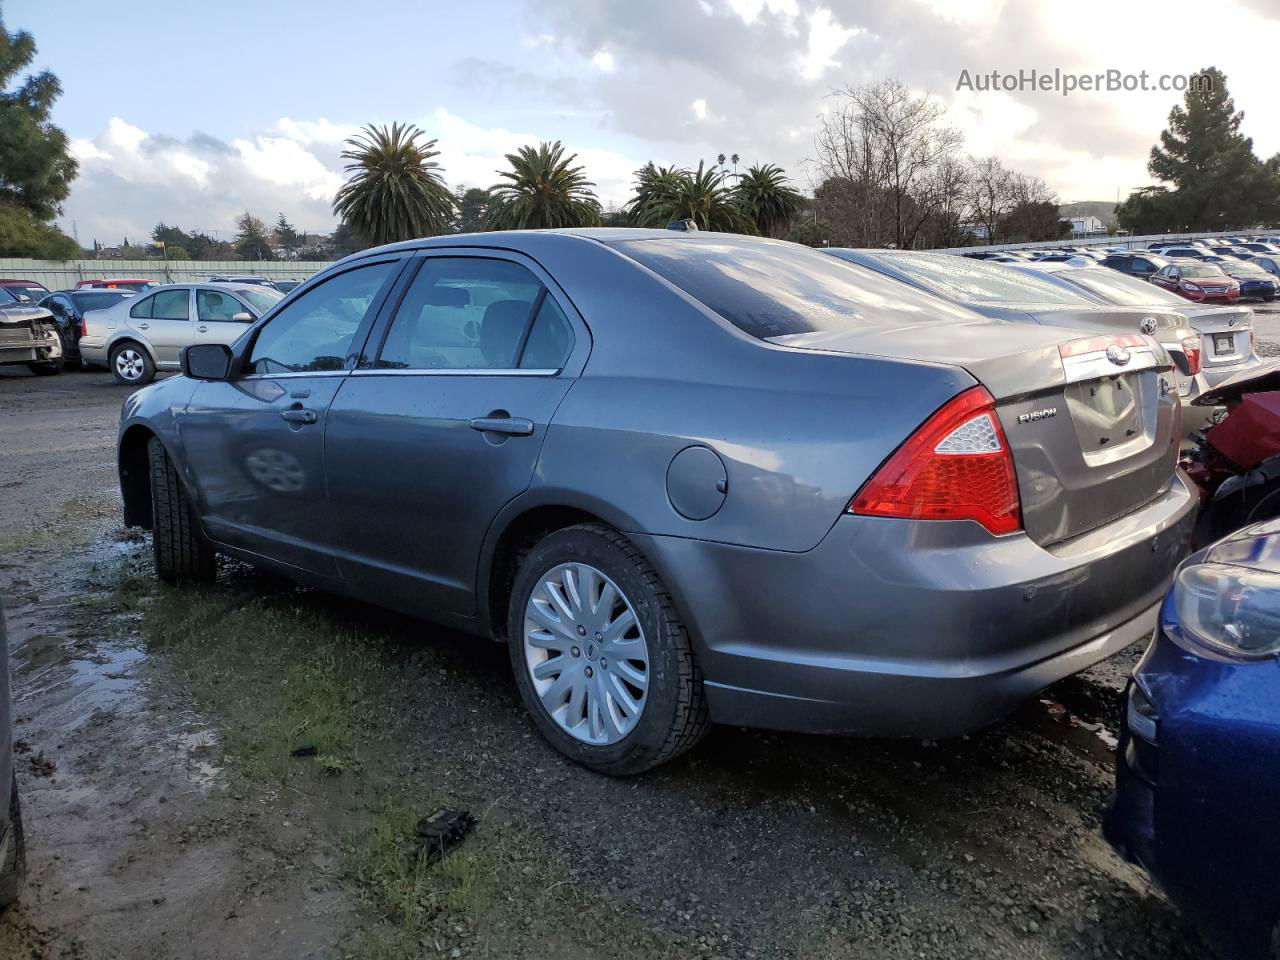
(756, 845)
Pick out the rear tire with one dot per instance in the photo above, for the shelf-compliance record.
(181, 550)
(131, 365)
(672, 716)
(13, 869)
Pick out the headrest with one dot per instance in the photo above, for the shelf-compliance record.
(500, 331)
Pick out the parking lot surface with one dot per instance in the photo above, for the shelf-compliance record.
(163, 822)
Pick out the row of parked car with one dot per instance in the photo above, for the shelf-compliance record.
(48, 331)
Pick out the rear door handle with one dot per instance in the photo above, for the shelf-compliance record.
(298, 415)
(144, 326)
(511, 426)
(202, 328)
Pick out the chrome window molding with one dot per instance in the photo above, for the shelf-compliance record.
(453, 372)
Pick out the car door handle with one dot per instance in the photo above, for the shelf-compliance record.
(511, 426)
(144, 326)
(202, 328)
(298, 415)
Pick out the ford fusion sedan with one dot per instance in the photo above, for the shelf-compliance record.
(1197, 282)
(1226, 332)
(685, 477)
(1197, 798)
(143, 334)
(1019, 295)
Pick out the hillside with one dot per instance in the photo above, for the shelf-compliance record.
(1104, 210)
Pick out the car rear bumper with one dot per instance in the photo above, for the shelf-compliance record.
(93, 351)
(907, 628)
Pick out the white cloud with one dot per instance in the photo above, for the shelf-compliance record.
(538, 40)
(826, 37)
(749, 10)
(699, 108)
(603, 60)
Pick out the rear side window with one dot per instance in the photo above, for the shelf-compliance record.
(165, 305)
(461, 313)
(774, 289)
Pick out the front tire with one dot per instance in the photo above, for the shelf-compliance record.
(131, 365)
(602, 661)
(45, 368)
(181, 550)
(13, 864)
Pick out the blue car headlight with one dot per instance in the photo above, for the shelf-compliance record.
(1232, 611)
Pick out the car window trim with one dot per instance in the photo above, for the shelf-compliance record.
(392, 309)
(360, 337)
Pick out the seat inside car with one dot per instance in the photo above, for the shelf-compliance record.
(504, 321)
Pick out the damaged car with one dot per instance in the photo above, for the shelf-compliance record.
(28, 336)
(686, 478)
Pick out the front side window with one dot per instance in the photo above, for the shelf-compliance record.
(315, 331)
(461, 313)
(216, 306)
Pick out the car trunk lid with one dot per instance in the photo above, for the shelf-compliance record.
(1092, 420)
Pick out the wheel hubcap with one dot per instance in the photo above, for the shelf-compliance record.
(129, 364)
(593, 688)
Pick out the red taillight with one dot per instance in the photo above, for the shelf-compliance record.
(1191, 350)
(84, 327)
(956, 466)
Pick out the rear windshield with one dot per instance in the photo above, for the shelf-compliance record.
(977, 281)
(100, 300)
(1121, 290)
(774, 289)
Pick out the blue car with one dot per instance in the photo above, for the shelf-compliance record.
(1197, 799)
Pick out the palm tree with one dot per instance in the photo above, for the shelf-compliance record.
(666, 194)
(720, 160)
(765, 197)
(543, 190)
(394, 190)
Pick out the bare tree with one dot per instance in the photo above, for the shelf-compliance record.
(990, 195)
(885, 142)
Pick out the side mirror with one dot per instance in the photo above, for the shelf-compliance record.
(242, 317)
(206, 361)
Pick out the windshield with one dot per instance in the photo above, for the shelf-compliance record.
(1201, 270)
(262, 298)
(1119, 289)
(768, 288)
(7, 297)
(979, 281)
(100, 299)
(32, 293)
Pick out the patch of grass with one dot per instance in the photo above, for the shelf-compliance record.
(274, 676)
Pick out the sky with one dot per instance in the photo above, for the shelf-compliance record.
(194, 113)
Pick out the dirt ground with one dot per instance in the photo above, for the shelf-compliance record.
(167, 818)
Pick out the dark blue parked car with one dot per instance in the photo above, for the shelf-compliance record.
(1198, 795)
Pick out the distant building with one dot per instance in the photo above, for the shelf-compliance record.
(1086, 226)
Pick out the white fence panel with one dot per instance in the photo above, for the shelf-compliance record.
(64, 274)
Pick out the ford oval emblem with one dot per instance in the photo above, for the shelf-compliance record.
(1148, 325)
(1118, 355)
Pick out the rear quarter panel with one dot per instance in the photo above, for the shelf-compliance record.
(798, 431)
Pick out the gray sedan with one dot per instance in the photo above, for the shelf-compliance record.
(685, 477)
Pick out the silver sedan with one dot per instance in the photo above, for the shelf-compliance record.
(139, 336)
